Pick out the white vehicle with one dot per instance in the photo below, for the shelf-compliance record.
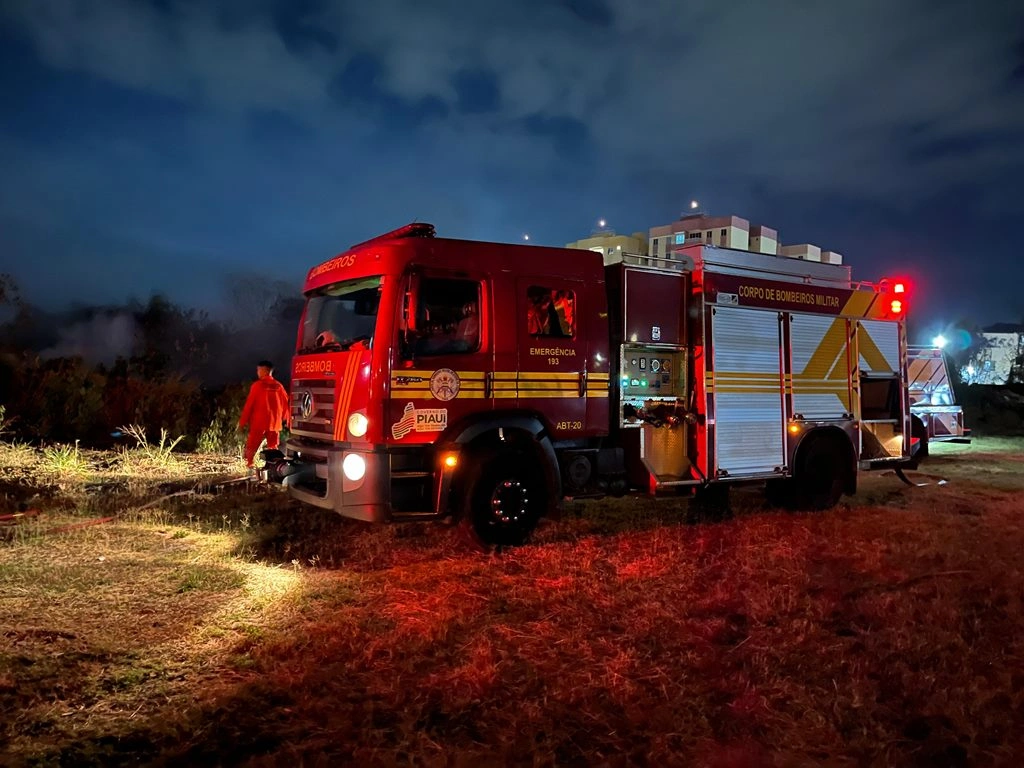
(931, 396)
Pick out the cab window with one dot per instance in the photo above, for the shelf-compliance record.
(551, 312)
(448, 317)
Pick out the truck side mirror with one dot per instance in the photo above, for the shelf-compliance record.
(410, 305)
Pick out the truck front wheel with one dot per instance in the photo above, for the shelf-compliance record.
(504, 497)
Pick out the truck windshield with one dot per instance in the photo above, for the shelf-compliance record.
(341, 316)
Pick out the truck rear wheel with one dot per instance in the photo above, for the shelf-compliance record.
(779, 492)
(504, 498)
(822, 474)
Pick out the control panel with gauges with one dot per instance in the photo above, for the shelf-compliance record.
(649, 373)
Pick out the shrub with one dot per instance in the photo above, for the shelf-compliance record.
(221, 434)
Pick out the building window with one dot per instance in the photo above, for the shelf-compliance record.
(447, 317)
(551, 312)
(724, 231)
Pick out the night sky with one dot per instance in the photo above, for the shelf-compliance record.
(165, 146)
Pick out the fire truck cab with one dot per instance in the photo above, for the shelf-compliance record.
(486, 382)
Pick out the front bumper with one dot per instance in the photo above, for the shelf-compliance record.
(322, 483)
(397, 484)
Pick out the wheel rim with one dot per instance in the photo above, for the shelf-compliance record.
(509, 503)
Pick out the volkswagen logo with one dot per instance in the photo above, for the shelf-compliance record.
(306, 403)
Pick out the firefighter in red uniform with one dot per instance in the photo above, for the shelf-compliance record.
(265, 411)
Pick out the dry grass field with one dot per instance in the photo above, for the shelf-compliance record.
(192, 627)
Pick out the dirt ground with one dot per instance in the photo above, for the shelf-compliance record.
(192, 627)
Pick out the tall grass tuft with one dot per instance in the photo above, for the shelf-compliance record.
(146, 457)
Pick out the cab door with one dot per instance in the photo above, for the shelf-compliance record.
(550, 379)
(439, 377)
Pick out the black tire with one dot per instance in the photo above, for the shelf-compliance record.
(920, 431)
(780, 492)
(504, 498)
(822, 474)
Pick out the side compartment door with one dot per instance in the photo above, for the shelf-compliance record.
(822, 381)
(748, 395)
(884, 407)
(552, 352)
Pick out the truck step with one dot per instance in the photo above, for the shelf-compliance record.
(405, 517)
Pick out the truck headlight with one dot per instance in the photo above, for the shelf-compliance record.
(354, 466)
(358, 424)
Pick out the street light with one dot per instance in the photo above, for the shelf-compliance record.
(940, 341)
(602, 223)
(694, 205)
(526, 238)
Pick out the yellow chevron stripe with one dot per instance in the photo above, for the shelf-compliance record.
(870, 351)
(829, 350)
(879, 308)
(858, 303)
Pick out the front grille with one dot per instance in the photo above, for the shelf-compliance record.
(320, 422)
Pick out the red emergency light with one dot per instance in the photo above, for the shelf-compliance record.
(897, 291)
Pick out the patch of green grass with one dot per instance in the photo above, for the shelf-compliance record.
(18, 455)
(65, 460)
(209, 578)
(134, 674)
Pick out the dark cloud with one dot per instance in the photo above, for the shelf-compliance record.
(476, 91)
(592, 11)
(278, 132)
(568, 134)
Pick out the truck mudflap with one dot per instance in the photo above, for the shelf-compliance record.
(354, 483)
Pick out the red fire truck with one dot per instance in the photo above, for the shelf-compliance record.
(487, 382)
